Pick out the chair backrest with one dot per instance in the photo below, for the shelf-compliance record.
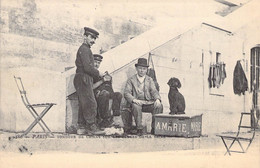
(21, 89)
(247, 129)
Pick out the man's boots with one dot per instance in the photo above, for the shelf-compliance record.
(152, 131)
(106, 123)
(94, 130)
(140, 132)
(81, 131)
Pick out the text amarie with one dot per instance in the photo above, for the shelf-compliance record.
(177, 127)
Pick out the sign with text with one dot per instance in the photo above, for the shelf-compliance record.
(178, 125)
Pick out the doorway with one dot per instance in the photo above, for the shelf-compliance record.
(254, 82)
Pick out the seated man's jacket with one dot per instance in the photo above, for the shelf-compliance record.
(150, 91)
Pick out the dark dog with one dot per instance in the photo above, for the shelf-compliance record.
(176, 99)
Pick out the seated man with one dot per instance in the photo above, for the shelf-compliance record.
(103, 91)
(140, 92)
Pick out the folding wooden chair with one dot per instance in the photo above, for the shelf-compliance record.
(31, 108)
(247, 136)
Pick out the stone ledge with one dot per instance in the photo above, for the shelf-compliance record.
(97, 144)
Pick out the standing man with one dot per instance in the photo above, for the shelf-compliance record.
(103, 92)
(141, 95)
(83, 83)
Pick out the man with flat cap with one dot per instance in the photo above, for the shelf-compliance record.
(83, 83)
(103, 91)
(141, 95)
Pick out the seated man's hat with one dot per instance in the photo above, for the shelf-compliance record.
(90, 31)
(98, 57)
(142, 62)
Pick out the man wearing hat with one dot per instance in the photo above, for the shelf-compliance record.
(140, 92)
(103, 92)
(83, 83)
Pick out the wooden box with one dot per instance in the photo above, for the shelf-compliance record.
(178, 125)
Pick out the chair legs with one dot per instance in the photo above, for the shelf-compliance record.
(248, 145)
(241, 145)
(228, 148)
(39, 120)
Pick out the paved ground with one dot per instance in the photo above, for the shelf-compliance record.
(206, 152)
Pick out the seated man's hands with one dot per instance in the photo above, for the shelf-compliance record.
(101, 74)
(138, 102)
(157, 103)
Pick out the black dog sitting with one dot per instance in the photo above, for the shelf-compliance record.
(176, 99)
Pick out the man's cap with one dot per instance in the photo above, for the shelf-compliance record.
(142, 62)
(98, 57)
(90, 31)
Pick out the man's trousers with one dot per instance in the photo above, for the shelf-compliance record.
(136, 111)
(103, 103)
(87, 103)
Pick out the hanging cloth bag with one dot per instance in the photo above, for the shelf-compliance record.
(151, 71)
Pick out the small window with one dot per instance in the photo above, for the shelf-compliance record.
(217, 75)
(218, 57)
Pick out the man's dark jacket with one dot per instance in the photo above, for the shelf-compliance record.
(239, 80)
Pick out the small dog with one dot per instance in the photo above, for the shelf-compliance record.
(176, 99)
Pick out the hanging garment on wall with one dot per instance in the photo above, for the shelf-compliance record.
(217, 74)
(151, 72)
(239, 80)
(220, 72)
(223, 72)
(217, 69)
(214, 76)
(210, 76)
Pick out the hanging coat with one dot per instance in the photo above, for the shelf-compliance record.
(151, 73)
(239, 80)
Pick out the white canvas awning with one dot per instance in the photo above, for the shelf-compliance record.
(138, 46)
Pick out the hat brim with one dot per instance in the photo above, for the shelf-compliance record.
(98, 59)
(141, 65)
(92, 34)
